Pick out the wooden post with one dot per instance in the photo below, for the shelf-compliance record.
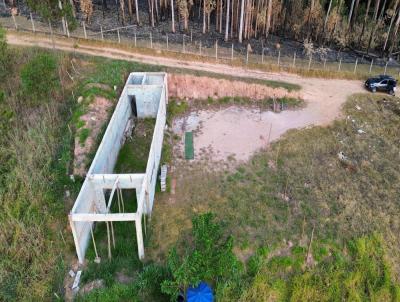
(324, 63)
(200, 47)
(101, 30)
(216, 50)
(262, 56)
(15, 22)
(33, 24)
(191, 36)
(370, 66)
(309, 62)
(247, 55)
(52, 36)
(232, 53)
(151, 40)
(355, 66)
(135, 38)
(340, 64)
(279, 57)
(294, 59)
(84, 29)
(183, 43)
(167, 41)
(385, 67)
(119, 37)
(66, 28)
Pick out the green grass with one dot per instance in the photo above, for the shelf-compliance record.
(83, 135)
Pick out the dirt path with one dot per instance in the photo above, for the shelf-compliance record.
(324, 97)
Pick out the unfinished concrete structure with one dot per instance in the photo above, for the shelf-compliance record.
(144, 95)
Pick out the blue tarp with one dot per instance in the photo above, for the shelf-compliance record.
(200, 293)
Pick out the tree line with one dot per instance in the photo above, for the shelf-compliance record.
(364, 25)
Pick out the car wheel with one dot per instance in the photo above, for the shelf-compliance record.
(391, 92)
(373, 89)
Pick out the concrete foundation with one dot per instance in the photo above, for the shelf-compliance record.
(144, 95)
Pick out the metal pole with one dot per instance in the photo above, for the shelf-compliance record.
(15, 22)
(216, 50)
(279, 57)
(84, 29)
(33, 24)
(167, 41)
(370, 66)
(119, 37)
(355, 66)
(385, 67)
(101, 30)
(340, 64)
(294, 59)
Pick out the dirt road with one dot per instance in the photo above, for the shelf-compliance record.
(324, 97)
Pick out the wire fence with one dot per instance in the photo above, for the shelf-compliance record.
(192, 44)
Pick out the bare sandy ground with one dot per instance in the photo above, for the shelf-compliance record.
(232, 131)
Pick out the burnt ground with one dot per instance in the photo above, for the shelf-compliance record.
(110, 18)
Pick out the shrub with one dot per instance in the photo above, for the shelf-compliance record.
(39, 77)
(5, 56)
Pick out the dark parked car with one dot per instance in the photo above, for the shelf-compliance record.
(381, 83)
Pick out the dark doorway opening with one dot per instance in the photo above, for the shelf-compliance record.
(133, 105)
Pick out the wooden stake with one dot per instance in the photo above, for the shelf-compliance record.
(135, 39)
(340, 64)
(33, 24)
(294, 59)
(355, 66)
(309, 62)
(279, 57)
(84, 29)
(370, 66)
(112, 233)
(216, 50)
(385, 67)
(15, 22)
(167, 41)
(200, 47)
(151, 40)
(101, 30)
(232, 53)
(262, 56)
(119, 37)
(183, 43)
(94, 242)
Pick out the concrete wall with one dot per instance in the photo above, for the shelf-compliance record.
(150, 91)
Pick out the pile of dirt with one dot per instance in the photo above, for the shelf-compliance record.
(184, 86)
(94, 119)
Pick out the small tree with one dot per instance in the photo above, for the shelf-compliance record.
(39, 77)
(210, 258)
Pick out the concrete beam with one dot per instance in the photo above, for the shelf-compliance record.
(126, 181)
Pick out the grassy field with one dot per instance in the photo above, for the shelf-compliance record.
(305, 224)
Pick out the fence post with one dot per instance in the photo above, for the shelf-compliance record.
(355, 66)
(15, 22)
(66, 28)
(200, 47)
(52, 36)
(191, 36)
(232, 53)
(84, 29)
(216, 50)
(324, 63)
(135, 38)
(167, 41)
(340, 64)
(33, 24)
(262, 56)
(294, 59)
(309, 62)
(151, 40)
(370, 66)
(279, 57)
(119, 37)
(385, 67)
(101, 30)
(247, 55)
(183, 43)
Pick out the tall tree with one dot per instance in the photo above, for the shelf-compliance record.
(227, 20)
(241, 21)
